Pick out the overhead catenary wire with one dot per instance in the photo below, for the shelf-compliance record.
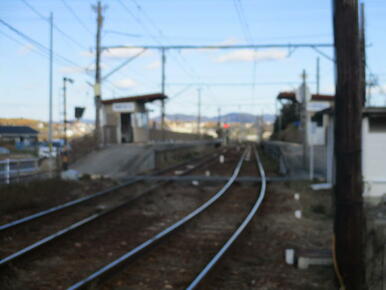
(57, 28)
(33, 49)
(249, 39)
(77, 18)
(38, 44)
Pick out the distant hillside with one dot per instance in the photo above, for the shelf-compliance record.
(227, 118)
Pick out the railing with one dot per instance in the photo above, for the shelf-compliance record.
(17, 168)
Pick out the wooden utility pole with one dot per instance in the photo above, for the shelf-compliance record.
(97, 87)
(318, 76)
(362, 22)
(349, 224)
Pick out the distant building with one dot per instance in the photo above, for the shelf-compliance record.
(126, 120)
(19, 136)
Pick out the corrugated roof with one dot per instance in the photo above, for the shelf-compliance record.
(141, 98)
(17, 130)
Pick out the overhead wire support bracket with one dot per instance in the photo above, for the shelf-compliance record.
(123, 64)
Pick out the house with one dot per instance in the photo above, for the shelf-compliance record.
(20, 136)
(126, 120)
(373, 149)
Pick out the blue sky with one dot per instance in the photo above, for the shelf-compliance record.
(24, 68)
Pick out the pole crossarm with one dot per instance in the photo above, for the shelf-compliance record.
(240, 46)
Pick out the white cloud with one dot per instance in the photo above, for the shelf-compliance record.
(153, 65)
(77, 69)
(71, 69)
(252, 55)
(382, 89)
(125, 83)
(26, 49)
(228, 41)
(117, 53)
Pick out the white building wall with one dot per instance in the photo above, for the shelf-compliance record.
(373, 161)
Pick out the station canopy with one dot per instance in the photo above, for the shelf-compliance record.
(137, 99)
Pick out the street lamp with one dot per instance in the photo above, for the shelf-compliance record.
(65, 148)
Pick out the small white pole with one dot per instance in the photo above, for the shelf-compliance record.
(7, 171)
(312, 151)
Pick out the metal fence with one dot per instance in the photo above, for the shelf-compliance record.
(17, 169)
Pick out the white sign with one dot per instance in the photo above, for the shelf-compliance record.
(317, 106)
(123, 107)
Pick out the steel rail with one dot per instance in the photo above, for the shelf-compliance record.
(89, 219)
(199, 278)
(156, 238)
(86, 198)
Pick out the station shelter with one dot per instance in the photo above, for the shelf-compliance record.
(126, 120)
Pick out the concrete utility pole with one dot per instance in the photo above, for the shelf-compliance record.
(65, 152)
(163, 77)
(97, 87)
(318, 75)
(50, 92)
(199, 112)
(349, 224)
(304, 117)
(219, 117)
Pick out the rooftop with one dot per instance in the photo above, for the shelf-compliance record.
(316, 97)
(17, 130)
(138, 99)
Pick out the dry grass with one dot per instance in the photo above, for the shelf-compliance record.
(35, 194)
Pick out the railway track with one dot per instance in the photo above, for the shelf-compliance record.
(76, 219)
(84, 251)
(141, 250)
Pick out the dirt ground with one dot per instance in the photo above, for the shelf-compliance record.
(256, 260)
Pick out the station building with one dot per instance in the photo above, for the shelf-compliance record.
(126, 120)
(373, 148)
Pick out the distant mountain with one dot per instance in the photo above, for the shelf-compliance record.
(227, 118)
(238, 118)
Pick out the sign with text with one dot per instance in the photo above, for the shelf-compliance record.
(317, 106)
(123, 107)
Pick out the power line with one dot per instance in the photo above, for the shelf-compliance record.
(240, 84)
(33, 9)
(158, 30)
(233, 46)
(123, 33)
(78, 19)
(243, 20)
(38, 52)
(36, 43)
